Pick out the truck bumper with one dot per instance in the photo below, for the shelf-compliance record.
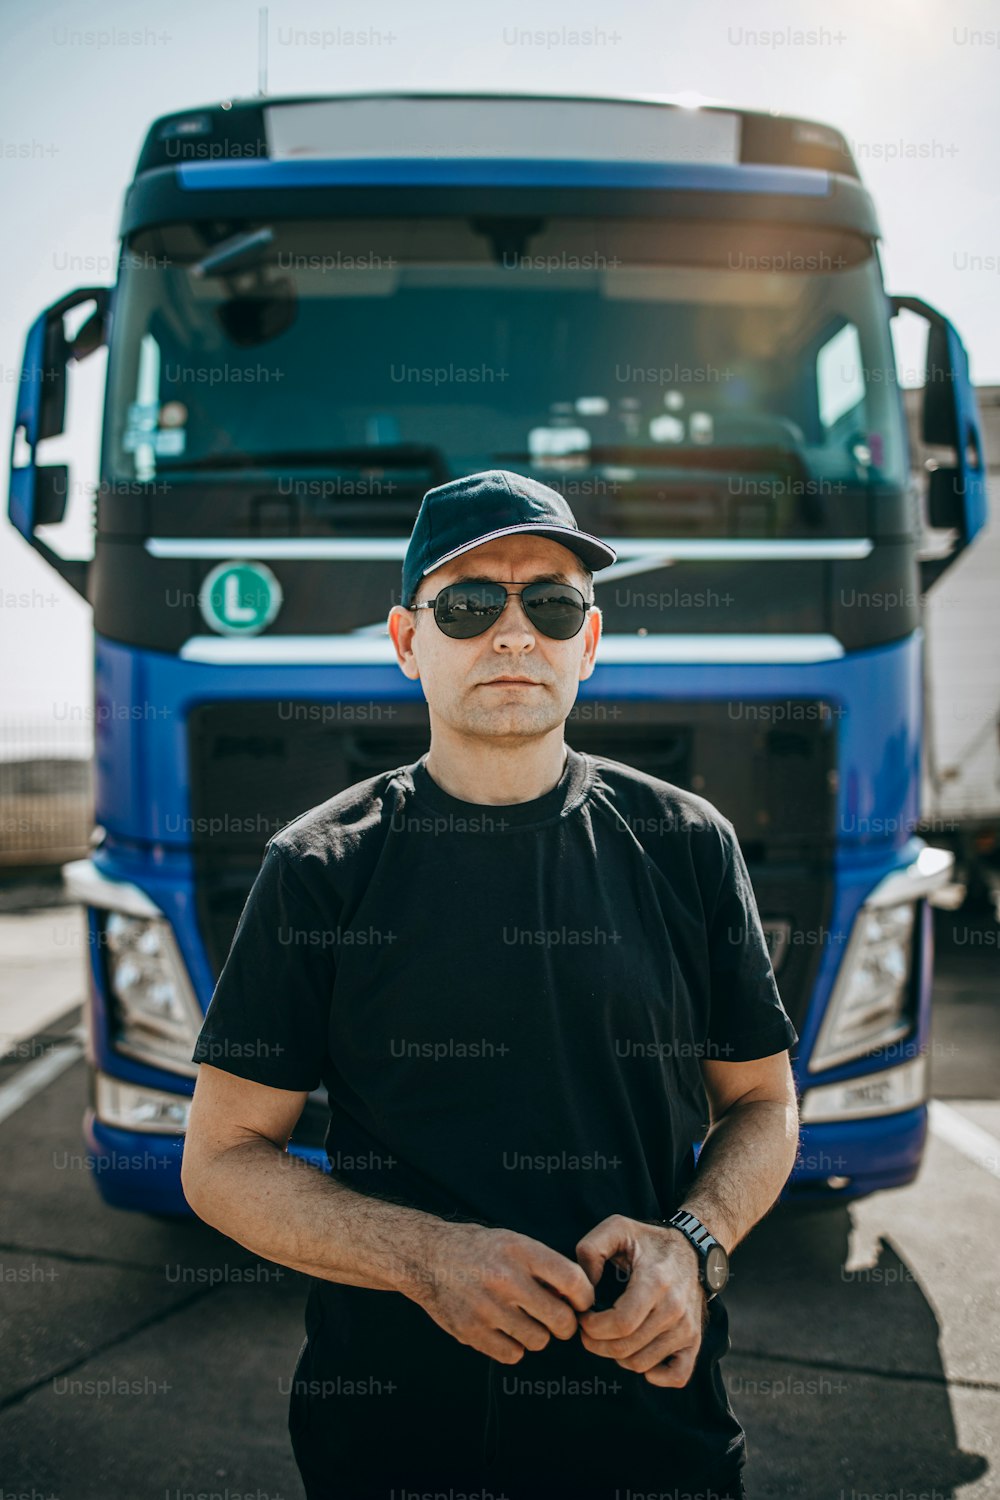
(141, 1170)
(839, 1157)
(847, 1159)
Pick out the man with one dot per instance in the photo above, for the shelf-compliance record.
(527, 977)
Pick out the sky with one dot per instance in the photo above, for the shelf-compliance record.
(913, 84)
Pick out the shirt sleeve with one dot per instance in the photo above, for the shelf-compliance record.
(269, 1015)
(746, 1019)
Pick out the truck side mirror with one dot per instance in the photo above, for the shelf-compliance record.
(52, 396)
(51, 494)
(939, 413)
(39, 492)
(949, 419)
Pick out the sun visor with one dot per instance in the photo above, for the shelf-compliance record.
(536, 129)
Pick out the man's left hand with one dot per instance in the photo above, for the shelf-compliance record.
(655, 1328)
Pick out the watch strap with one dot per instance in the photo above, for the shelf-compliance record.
(700, 1236)
(693, 1229)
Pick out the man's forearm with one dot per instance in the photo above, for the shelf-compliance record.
(742, 1167)
(284, 1210)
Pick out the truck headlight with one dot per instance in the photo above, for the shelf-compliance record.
(870, 1007)
(129, 1107)
(157, 1016)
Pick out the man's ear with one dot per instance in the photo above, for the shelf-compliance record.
(398, 619)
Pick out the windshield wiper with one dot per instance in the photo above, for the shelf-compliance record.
(242, 250)
(421, 456)
(705, 456)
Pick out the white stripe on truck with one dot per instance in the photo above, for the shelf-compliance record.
(365, 649)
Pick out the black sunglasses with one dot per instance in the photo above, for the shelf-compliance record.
(469, 607)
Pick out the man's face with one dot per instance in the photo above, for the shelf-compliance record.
(462, 680)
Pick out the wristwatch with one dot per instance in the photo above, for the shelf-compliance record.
(713, 1262)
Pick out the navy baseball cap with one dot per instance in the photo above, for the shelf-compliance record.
(462, 514)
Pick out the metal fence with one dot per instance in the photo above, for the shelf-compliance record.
(46, 790)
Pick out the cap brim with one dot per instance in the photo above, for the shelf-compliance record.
(595, 553)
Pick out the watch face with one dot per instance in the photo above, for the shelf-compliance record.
(716, 1268)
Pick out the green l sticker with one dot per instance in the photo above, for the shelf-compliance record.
(240, 598)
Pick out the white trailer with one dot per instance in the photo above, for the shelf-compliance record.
(961, 768)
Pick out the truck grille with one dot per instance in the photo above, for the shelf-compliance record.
(771, 768)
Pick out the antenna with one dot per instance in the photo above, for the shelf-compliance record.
(262, 51)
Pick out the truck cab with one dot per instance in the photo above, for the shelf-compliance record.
(674, 316)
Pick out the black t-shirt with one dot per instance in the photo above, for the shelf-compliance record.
(508, 1004)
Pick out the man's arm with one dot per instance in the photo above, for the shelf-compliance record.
(487, 1287)
(743, 1165)
(238, 1177)
(750, 1149)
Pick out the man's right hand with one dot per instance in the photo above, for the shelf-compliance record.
(500, 1291)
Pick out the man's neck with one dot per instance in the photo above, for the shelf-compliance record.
(495, 778)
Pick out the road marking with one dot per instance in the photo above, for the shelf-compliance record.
(972, 1141)
(37, 1075)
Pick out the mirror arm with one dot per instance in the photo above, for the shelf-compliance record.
(920, 307)
(73, 570)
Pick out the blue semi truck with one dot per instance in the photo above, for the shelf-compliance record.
(674, 315)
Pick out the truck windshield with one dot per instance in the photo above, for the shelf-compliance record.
(707, 379)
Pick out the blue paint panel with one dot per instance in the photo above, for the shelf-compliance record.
(21, 495)
(144, 699)
(503, 172)
(136, 1170)
(133, 1169)
(29, 397)
(970, 436)
(879, 1153)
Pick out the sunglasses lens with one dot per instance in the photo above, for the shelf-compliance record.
(557, 609)
(466, 609)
